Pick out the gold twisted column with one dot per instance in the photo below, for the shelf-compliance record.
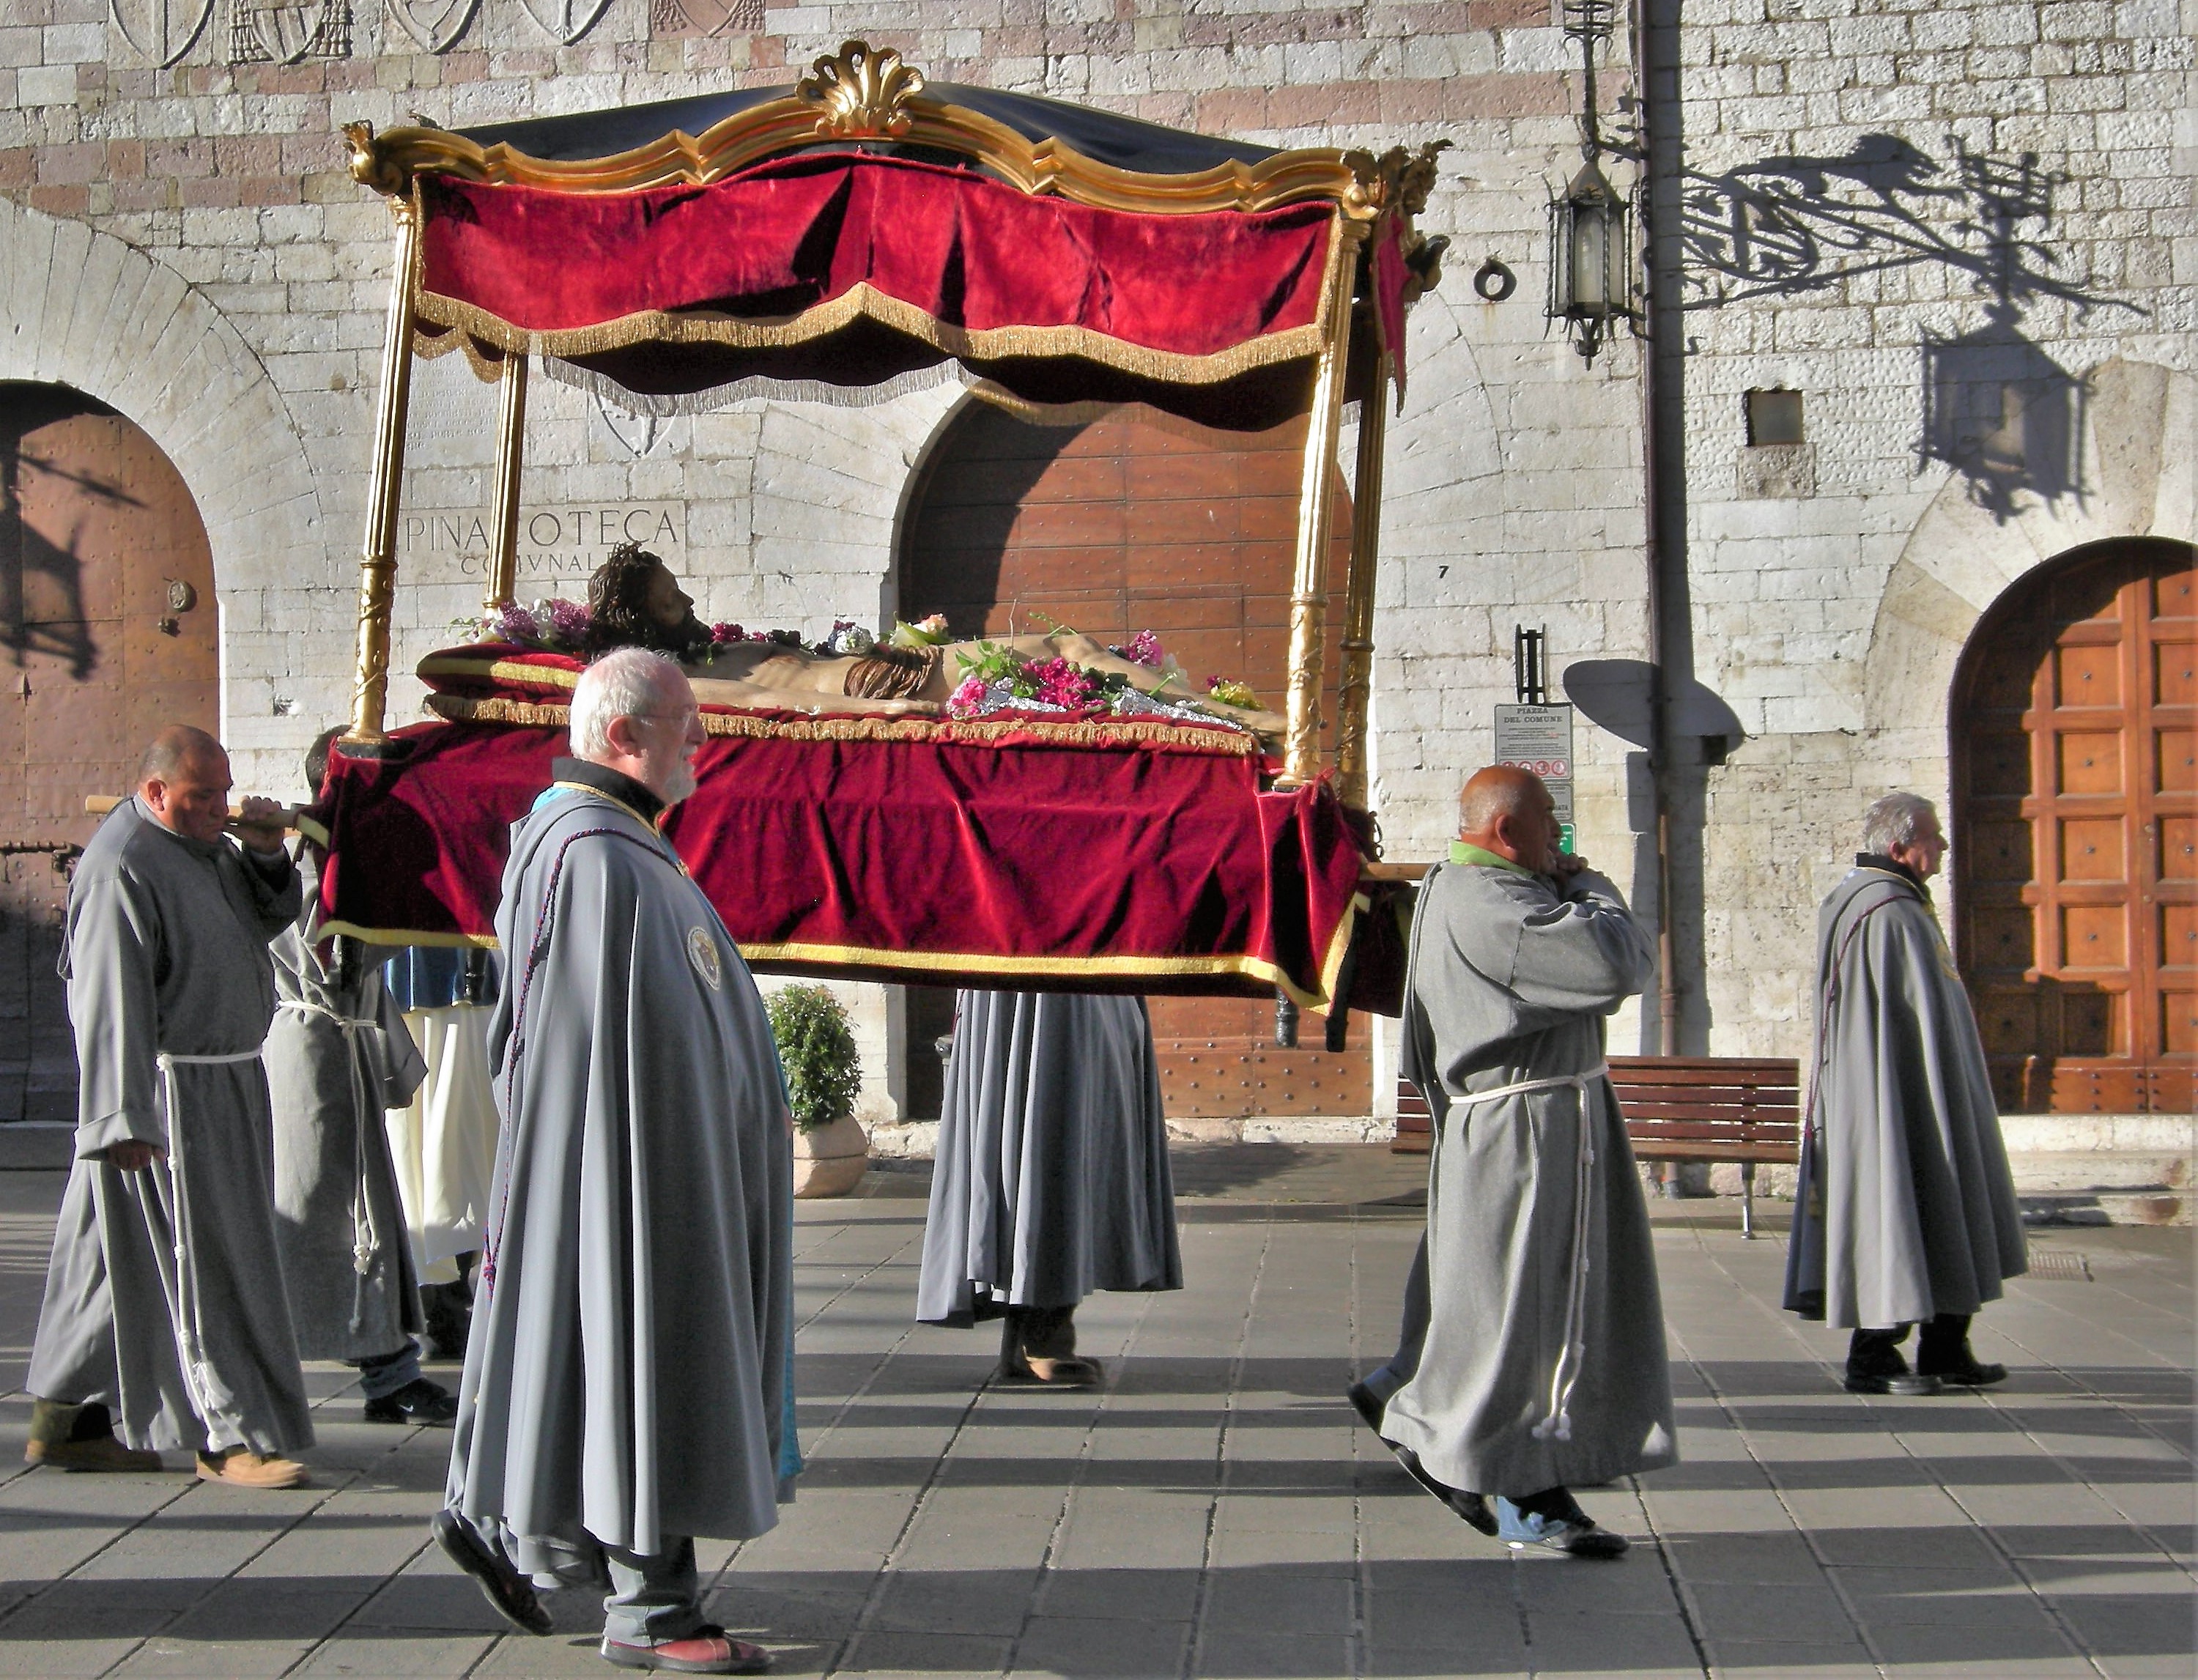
(377, 566)
(1309, 587)
(1354, 701)
(510, 456)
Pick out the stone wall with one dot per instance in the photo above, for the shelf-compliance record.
(1863, 227)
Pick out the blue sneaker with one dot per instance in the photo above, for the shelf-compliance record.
(1572, 1534)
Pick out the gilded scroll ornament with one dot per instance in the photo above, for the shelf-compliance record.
(861, 91)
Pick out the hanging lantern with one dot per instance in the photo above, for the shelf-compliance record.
(1591, 261)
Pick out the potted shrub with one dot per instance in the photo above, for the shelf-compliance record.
(824, 1077)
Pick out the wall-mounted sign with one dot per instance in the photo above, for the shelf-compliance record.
(1539, 738)
(557, 544)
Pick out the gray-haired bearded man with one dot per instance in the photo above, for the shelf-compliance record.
(1905, 1213)
(626, 1369)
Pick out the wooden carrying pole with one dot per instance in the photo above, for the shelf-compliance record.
(1309, 587)
(1355, 684)
(377, 567)
(510, 456)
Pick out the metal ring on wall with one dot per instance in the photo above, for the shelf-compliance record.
(1494, 282)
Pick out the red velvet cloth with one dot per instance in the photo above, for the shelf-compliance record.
(958, 248)
(1028, 867)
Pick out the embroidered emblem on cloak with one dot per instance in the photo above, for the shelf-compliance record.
(703, 952)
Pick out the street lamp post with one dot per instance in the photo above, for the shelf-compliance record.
(1590, 224)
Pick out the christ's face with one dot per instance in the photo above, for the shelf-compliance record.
(668, 606)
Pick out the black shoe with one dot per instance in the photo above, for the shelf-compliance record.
(1470, 1508)
(1557, 1524)
(419, 1402)
(510, 1593)
(1972, 1372)
(1892, 1382)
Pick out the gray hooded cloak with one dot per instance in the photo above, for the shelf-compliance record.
(1906, 1208)
(337, 1056)
(166, 1287)
(626, 1369)
(1543, 1362)
(1051, 1177)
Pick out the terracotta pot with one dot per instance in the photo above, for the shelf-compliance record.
(829, 1161)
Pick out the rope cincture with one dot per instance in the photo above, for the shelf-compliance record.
(1564, 1377)
(180, 1281)
(365, 1240)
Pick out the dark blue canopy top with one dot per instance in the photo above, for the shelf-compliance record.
(1123, 142)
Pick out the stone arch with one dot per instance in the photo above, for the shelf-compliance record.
(2141, 436)
(83, 308)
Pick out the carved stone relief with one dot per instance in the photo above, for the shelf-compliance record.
(159, 30)
(433, 25)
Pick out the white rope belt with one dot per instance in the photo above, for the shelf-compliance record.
(364, 1239)
(182, 1284)
(1566, 1376)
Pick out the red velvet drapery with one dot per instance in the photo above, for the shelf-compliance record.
(787, 251)
(1066, 869)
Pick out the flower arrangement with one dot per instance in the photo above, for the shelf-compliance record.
(931, 633)
(553, 624)
(1230, 691)
(817, 1049)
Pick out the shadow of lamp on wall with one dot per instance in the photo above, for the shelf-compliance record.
(1620, 695)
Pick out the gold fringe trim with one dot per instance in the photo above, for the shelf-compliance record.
(936, 962)
(469, 323)
(924, 731)
(499, 671)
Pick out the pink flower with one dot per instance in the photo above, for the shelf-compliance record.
(568, 620)
(721, 634)
(1144, 648)
(514, 623)
(969, 699)
(1060, 684)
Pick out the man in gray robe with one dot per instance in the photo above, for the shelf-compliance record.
(1051, 1177)
(1906, 1212)
(164, 1297)
(627, 1367)
(337, 1056)
(1532, 1352)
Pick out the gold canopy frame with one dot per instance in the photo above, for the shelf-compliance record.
(868, 93)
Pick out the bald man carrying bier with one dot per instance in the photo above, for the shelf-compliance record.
(1532, 1358)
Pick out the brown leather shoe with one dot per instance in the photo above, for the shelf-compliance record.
(240, 1467)
(102, 1452)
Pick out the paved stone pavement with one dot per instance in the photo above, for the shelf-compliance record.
(1216, 1510)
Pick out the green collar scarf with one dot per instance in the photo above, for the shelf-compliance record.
(1464, 851)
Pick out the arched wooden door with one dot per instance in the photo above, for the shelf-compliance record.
(1136, 521)
(2075, 738)
(108, 628)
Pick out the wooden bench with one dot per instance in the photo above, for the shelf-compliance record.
(1743, 1109)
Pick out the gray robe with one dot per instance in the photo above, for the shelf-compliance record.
(337, 1056)
(165, 951)
(1906, 1208)
(626, 1369)
(1051, 1177)
(1510, 979)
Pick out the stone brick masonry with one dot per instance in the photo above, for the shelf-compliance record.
(1930, 218)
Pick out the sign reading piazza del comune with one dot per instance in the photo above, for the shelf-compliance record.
(556, 543)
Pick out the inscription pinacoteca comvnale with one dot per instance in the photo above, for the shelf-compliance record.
(557, 545)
